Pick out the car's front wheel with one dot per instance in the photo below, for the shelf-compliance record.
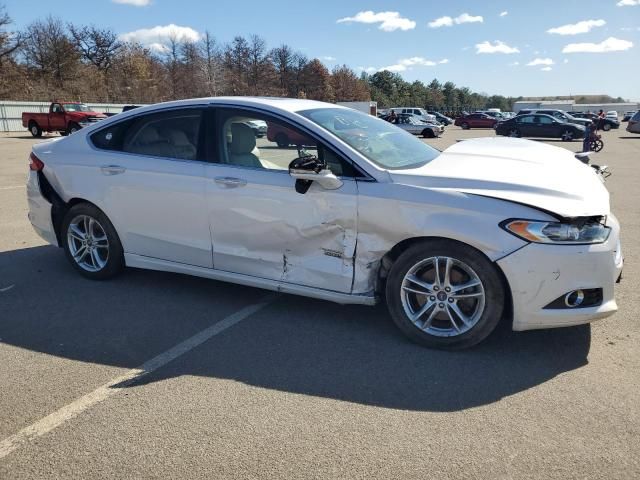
(606, 127)
(567, 136)
(445, 294)
(91, 243)
(464, 126)
(514, 132)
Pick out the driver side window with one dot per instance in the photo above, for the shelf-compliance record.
(253, 140)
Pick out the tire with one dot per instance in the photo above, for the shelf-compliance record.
(64, 133)
(482, 306)
(35, 130)
(606, 127)
(514, 132)
(73, 128)
(106, 259)
(428, 133)
(282, 140)
(596, 145)
(464, 126)
(567, 136)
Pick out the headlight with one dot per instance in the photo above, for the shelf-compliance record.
(557, 233)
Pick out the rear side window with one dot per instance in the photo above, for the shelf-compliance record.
(636, 117)
(170, 134)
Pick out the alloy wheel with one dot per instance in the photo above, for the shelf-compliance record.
(443, 296)
(88, 243)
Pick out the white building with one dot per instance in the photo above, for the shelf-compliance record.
(572, 106)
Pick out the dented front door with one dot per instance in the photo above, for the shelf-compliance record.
(260, 226)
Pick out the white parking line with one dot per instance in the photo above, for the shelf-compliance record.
(101, 393)
(12, 187)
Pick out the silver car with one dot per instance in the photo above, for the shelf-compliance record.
(415, 126)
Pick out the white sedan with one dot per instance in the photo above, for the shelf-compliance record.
(354, 211)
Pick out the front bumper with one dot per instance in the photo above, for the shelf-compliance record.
(538, 274)
(39, 210)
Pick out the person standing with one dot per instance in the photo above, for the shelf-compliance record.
(588, 131)
(601, 117)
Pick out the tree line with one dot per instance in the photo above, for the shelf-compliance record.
(50, 59)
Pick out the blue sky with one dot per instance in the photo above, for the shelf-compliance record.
(467, 42)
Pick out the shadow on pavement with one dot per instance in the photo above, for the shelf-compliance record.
(296, 345)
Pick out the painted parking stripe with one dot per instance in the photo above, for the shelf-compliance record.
(103, 392)
(13, 187)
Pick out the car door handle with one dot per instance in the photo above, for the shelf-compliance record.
(112, 169)
(230, 182)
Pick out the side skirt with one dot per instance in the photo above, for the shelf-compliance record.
(148, 263)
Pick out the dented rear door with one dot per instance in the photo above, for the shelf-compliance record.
(260, 226)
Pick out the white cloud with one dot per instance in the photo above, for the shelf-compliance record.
(157, 37)
(447, 21)
(443, 61)
(135, 3)
(611, 44)
(576, 28)
(498, 47)
(466, 18)
(329, 58)
(441, 22)
(628, 3)
(368, 69)
(389, 21)
(504, 14)
(406, 63)
(514, 64)
(546, 69)
(566, 60)
(158, 47)
(540, 61)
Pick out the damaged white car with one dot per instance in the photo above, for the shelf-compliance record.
(335, 204)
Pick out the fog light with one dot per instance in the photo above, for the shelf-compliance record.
(574, 299)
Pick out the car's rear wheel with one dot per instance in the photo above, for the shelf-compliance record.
(282, 140)
(567, 136)
(428, 133)
(91, 243)
(514, 132)
(464, 126)
(73, 128)
(606, 127)
(444, 294)
(35, 130)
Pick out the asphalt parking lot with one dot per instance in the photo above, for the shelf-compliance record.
(283, 386)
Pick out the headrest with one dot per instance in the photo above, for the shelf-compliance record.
(147, 136)
(243, 140)
(179, 138)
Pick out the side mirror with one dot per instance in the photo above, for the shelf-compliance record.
(308, 169)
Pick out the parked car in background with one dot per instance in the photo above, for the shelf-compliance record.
(627, 116)
(612, 114)
(540, 126)
(634, 123)
(476, 120)
(441, 118)
(560, 115)
(282, 136)
(259, 127)
(63, 117)
(420, 112)
(454, 241)
(607, 122)
(126, 108)
(412, 124)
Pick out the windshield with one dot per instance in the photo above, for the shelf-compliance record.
(381, 142)
(76, 107)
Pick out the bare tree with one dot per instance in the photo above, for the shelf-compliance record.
(211, 64)
(9, 41)
(97, 46)
(48, 48)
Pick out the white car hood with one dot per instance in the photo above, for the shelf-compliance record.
(522, 171)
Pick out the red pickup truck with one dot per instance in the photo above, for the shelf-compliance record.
(63, 117)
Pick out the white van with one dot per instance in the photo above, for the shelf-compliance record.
(420, 112)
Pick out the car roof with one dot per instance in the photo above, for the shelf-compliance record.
(292, 105)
